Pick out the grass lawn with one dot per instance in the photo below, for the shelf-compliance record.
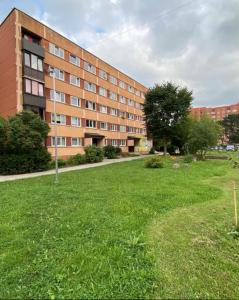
(121, 231)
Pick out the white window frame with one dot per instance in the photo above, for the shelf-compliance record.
(103, 74)
(123, 143)
(78, 144)
(112, 79)
(89, 86)
(60, 119)
(103, 109)
(92, 122)
(114, 112)
(114, 127)
(59, 74)
(59, 96)
(113, 96)
(122, 99)
(122, 128)
(103, 92)
(55, 50)
(91, 105)
(77, 60)
(75, 98)
(130, 102)
(89, 67)
(78, 123)
(105, 127)
(74, 80)
(130, 89)
(122, 84)
(62, 140)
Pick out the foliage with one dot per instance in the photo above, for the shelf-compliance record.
(166, 106)
(188, 158)
(111, 151)
(154, 162)
(22, 144)
(231, 127)
(204, 133)
(93, 154)
(77, 159)
(152, 151)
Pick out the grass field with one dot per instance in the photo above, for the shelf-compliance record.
(121, 231)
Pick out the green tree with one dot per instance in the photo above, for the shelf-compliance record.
(166, 106)
(22, 143)
(204, 133)
(231, 127)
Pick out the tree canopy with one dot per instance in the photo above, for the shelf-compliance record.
(166, 106)
(231, 127)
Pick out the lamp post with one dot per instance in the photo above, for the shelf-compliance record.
(52, 73)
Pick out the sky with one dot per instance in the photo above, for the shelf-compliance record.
(192, 43)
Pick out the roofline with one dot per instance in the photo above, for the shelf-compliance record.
(14, 8)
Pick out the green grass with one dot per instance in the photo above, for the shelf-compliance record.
(120, 231)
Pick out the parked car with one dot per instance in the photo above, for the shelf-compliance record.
(230, 148)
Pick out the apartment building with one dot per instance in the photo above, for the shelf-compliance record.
(216, 113)
(95, 102)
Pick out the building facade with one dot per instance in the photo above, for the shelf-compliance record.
(216, 113)
(95, 102)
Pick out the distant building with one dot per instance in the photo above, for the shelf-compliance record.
(216, 113)
(96, 103)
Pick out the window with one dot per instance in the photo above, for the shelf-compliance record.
(130, 102)
(32, 61)
(91, 87)
(130, 89)
(114, 142)
(27, 60)
(74, 80)
(137, 93)
(103, 125)
(137, 105)
(61, 141)
(58, 74)
(33, 87)
(75, 101)
(114, 112)
(103, 109)
(123, 114)
(122, 143)
(89, 67)
(122, 99)
(56, 50)
(141, 106)
(113, 96)
(75, 121)
(59, 96)
(103, 74)
(60, 119)
(130, 116)
(142, 95)
(103, 92)
(74, 60)
(131, 129)
(28, 85)
(122, 84)
(75, 141)
(112, 79)
(114, 127)
(122, 128)
(90, 105)
(90, 123)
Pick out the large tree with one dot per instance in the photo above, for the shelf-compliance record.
(166, 106)
(204, 133)
(231, 128)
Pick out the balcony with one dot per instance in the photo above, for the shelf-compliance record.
(33, 100)
(33, 48)
(29, 72)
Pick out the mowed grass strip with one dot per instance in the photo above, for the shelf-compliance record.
(88, 236)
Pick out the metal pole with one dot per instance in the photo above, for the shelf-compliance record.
(235, 204)
(55, 127)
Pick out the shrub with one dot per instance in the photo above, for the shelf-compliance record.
(77, 159)
(188, 158)
(93, 154)
(154, 162)
(152, 151)
(111, 151)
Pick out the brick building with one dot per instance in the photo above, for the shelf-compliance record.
(96, 103)
(216, 113)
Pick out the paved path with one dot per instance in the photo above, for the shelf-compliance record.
(68, 169)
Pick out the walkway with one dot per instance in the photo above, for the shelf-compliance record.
(68, 169)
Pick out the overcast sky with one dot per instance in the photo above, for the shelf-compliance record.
(192, 43)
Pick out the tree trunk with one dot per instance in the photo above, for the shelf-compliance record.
(165, 148)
